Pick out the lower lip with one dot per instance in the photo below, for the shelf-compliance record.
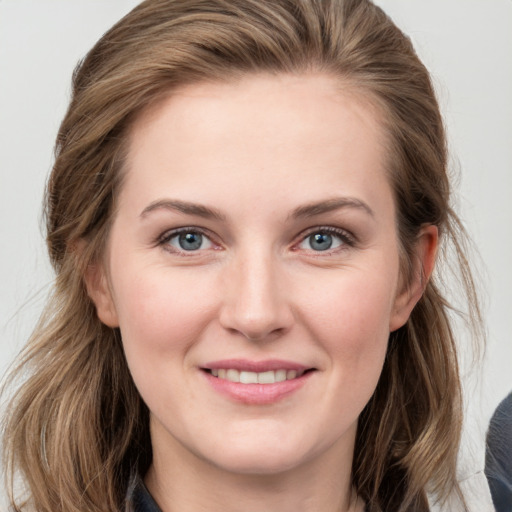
(257, 394)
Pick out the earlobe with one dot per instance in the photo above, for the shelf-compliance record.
(423, 265)
(99, 291)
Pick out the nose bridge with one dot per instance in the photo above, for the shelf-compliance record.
(255, 302)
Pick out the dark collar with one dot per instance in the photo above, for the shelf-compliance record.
(138, 498)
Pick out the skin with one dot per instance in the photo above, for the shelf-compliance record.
(257, 151)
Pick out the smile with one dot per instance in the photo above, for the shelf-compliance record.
(246, 377)
(256, 383)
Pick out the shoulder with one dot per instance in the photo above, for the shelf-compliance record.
(498, 455)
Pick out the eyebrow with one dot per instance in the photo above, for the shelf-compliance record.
(312, 209)
(308, 210)
(183, 207)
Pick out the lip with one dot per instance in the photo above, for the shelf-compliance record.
(255, 366)
(256, 394)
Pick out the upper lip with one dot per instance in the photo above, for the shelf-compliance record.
(255, 366)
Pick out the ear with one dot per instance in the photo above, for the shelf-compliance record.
(99, 291)
(423, 264)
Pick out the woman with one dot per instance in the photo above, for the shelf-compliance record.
(244, 215)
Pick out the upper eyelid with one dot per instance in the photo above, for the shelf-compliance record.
(170, 233)
(163, 240)
(328, 229)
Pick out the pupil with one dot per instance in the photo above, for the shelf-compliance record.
(320, 241)
(190, 241)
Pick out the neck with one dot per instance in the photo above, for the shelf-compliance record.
(181, 481)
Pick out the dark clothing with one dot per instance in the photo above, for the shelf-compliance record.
(138, 498)
(498, 456)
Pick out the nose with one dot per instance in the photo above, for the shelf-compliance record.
(255, 303)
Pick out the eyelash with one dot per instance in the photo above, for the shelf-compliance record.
(347, 239)
(166, 237)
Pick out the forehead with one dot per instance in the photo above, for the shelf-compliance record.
(309, 135)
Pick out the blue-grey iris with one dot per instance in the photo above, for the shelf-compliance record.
(320, 241)
(190, 241)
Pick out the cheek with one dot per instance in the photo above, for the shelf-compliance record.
(163, 311)
(354, 308)
(162, 315)
(350, 319)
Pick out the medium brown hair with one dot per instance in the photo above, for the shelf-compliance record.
(77, 426)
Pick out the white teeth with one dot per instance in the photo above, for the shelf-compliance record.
(233, 375)
(268, 377)
(248, 378)
(280, 375)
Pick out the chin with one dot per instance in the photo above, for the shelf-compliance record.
(259, 463)
(262, 457)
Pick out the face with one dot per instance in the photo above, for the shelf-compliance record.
(253, 269)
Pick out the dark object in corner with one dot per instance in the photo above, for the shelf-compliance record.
(498, 456)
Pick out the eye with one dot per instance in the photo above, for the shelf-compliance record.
(325, 239)
(188, 240)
